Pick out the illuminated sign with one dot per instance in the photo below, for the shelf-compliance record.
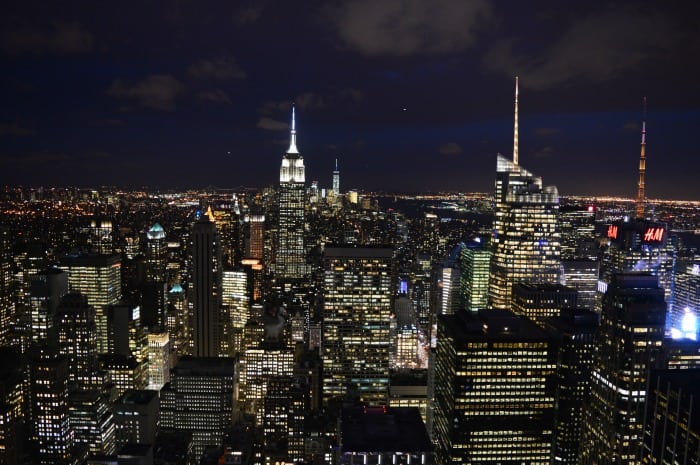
(653, 234)
(612, 231)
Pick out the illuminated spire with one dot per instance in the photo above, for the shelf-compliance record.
(641, 192)
(515, 126)
(210, 214)
(293, 135)
(336, 164)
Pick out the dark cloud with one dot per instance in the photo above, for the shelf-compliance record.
(598, 47)
(57, 38)
(15, 129)
(217, 96)
(271, 124)
(158, 91)
(450, 148)
(250, 13)
(224, 67)
(313, 101)
(408, 27)
(544, 152)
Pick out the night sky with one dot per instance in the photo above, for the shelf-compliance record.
(410, 95)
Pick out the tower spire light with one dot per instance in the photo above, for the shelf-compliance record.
(515, 125)
(293, 133)
(641, 189)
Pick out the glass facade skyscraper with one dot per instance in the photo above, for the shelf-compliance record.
(358, 289)
(526, 238)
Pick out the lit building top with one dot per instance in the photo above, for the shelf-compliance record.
(156, 232)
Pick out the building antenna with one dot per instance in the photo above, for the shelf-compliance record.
(641, 190)
(293, 133)
(515, 126)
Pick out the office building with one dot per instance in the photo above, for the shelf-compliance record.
(358, 293)
(381, 435)
(526, 237)
(50, 420)
(136, 416)
(540, 301)
(494, 386)
(407, 339)
(207, 324)
(45, 291)
(12, 398)
(475, 262)
(199, 399)
(98, 277)
(290, 251)
(285, 406)
(627, 347)
(265, 355)
(91, 421)
(77, 339)
(158, 360)
(672, 421)
(156, 254)
(126, 335)
(7, 307)
(582, 275)
(641, 246)
(574, 329)
(577, 226)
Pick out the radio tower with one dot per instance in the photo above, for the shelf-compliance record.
(641, 194)
(515, 125)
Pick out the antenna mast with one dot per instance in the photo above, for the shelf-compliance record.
(515, 126)
(641, 192)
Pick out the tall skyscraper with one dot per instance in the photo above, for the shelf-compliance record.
(206, 288)
(574, 329)
(358, 294)
(526, 233)
(526, 238)
(7, 307)
(474, 282)
(336, 180)
(199, 399)
(49, 399)
(98, 277)
(156, 254)
(45, 291)
(290, 253)
(627, 347)
(494, 382)
(77, 339)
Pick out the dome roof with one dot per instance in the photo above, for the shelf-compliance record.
(177, 289)
(156, 232)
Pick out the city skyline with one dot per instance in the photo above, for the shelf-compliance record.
(177, 96)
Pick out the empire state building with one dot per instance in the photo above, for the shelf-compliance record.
(290, 259)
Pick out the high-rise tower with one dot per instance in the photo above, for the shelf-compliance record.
(627, 347)
(290, 258)
(358, 298)
(526, 238)
(525, 232)
(336, 180)
(206, 287)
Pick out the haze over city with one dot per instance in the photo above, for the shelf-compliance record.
(176, 94)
